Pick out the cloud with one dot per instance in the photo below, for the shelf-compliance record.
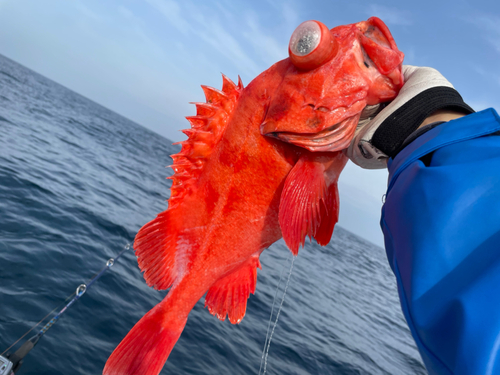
(125, 12)
(265, 44)
(290, 15)
(488, 22)
(491, 25)
(213, 26)
(494, 41)
(488, 75)
(172, 12)
(213, 32)
(390, 15)
(87, 12)
(485, 74)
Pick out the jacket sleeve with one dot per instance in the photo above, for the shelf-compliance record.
(441, 224)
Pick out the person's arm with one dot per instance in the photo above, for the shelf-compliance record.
(441, 224)
(443, 115)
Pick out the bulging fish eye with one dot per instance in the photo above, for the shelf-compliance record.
(305, 38)
(311, 45)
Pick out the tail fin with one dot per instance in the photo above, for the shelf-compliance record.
(147, 346)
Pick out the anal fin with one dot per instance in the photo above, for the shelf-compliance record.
(228, 295)
(309, 204)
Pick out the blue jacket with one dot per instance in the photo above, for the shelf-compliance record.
(441, 223)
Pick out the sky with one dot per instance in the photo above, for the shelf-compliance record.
(146, 59)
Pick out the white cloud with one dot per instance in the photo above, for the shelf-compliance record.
(266, 45)
(390, 15)
(292, 19)
(211, 26)
(487, 75)
(213, 32)
(172, 12)
(125, 12)
(495, 43)
(491, 25)
(87, 12)
(488, 22)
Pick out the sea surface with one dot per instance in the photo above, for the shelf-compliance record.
(77, 181)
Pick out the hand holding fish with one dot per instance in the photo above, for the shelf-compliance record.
(424, 93)
(261, 162)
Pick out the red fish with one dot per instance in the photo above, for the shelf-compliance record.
(260, 163)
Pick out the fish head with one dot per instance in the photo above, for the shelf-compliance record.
(330, 77)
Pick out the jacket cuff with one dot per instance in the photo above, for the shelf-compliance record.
(392, 133)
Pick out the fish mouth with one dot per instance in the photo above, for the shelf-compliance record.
(334, 138)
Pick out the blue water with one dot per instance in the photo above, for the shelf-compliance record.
(77, 181)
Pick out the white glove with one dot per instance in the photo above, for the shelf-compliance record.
(380, 134)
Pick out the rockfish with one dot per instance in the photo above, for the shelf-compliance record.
(261, 162)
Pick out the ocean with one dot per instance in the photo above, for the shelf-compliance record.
(77, 181)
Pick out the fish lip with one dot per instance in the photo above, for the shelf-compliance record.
(334, 138)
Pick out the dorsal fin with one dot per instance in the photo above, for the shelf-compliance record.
(228, 86)
(214, 96)
(197, 122)
(206, 129)
(204, 109)
(157, 242)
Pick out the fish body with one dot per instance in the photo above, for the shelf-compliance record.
(251, 172)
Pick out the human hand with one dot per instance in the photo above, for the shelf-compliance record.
(381, 132)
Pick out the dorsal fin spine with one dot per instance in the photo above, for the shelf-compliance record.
(228, 86)
(213, 95)
(197, 121)
(188, 132)
(207, 126)
(204, 109)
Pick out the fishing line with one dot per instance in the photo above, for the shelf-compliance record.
(73, 296)
(271, 316)
(267, 344)
(37, 324)
(278, 315)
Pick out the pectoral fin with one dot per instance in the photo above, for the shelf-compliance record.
(309, 203)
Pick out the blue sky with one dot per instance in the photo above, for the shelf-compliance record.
(146, 59)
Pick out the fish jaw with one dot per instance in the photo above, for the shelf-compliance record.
(334, 138)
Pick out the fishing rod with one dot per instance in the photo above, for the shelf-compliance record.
(10, 363)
